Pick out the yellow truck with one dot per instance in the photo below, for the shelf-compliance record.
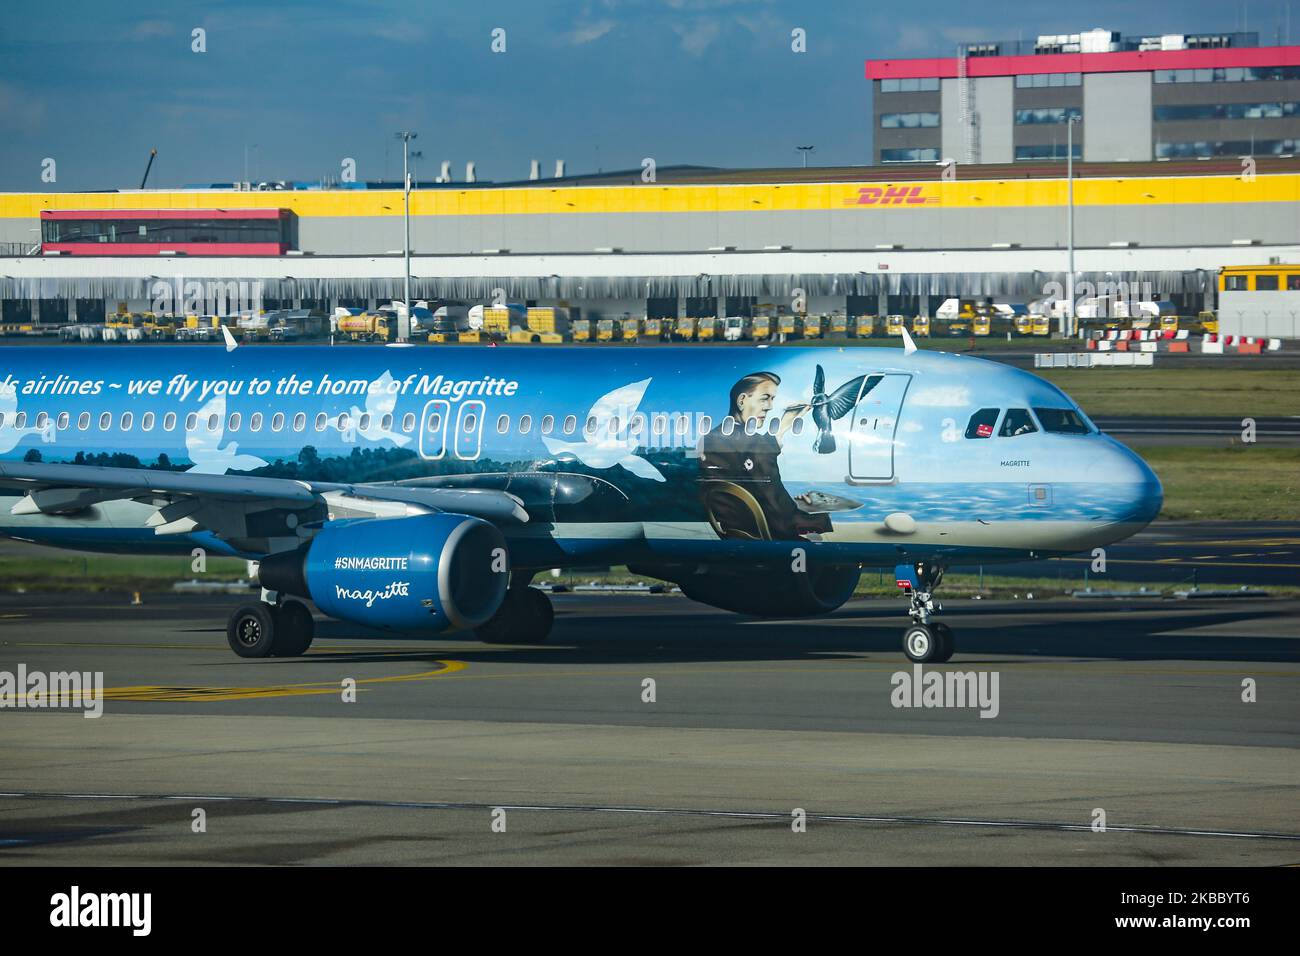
(498, 320)
(894, 325)
(814, 326)
(790, 326)
(655, 329)
(839, 325)
(580, 330)
(706, 330)
(548, 318)
(366, 327)
(684, 329)
(921, 326)
(862, 326)
(1040, 325)
(631, 329)
(760, 328)
(981, 323)
(608, 330)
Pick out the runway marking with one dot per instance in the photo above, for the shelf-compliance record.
(781, 816)
(196, 693)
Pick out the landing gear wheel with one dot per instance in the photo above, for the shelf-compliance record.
(294, 630)
(251, 631)
(525, 617)
(943, 634)
(921, 644)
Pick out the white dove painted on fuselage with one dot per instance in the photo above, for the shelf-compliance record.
(210, 457)
(11, 436)
(381, 399)
(605, 447)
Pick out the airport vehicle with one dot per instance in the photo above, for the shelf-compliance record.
(790, 326)
(760, 328)
(736, 328)
(839, 325)
(420, 497)
(921, 325)
(655, 329)
(814, 326)
(894, 325)
(609, 330)
(708, 328)
(684, 329)
(1040, 325)
(862, 326)
(580, 330)
(367, 327)
(631, 329)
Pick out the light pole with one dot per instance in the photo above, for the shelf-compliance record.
(805, 150)
(404, 316)
(1067, 320)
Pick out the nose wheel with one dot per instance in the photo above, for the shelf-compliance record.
(925, 641)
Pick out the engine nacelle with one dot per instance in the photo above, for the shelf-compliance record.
(773, 593)
(433, 572)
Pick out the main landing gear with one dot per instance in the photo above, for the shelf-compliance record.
(925, 641)
(525, 617)
(283, 629)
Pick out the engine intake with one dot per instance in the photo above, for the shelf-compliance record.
(432, 572)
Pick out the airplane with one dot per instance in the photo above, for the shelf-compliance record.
(421, 490)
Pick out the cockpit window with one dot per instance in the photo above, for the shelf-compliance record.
(982, 422)
(1016, 423)
(1062, 421)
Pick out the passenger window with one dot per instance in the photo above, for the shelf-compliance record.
(525, 424)
(683, 424)
(255, 422)
(299, 421)
(773, 424)
(570, 424)
(364, 423)
(590, 427)
(1016, 423)
(41, 419)
(660, 424)
(343, 421)
(611, 427)
(434, 423)
(982, 422)
(62, 421)
(169, 421)
(751, 425)
(20, 420)
(127, 419)
(321, 420)
(408, 422)
(548, 423)
(469, 422)
(1062, 421)
(277, 421)
(2, 419)
(105, 421)
(214, 422)
(146, 421)
(232, 423)
(728, 425)
(386, 423)
(637, 425)
(706, 423)
(191, 420)
(797, 427)
(503, 424)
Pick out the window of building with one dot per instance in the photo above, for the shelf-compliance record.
(1293, 283)
(1234, 283)
(910, 155)
(909, 120)
(928, 84)
(1047, 151)
(1266, 283)
(1213, 111)
(1048, 115)
(1042, 81)
(982, 422)
(1237, 147)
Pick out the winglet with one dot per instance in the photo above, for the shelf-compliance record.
(908, 345)
(231, 344)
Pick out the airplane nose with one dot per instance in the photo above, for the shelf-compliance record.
(1131, 483)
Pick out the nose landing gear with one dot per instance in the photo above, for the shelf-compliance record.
(924, 641)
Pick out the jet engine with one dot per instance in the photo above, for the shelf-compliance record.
(431, 572)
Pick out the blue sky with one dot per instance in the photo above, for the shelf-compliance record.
(600, 83)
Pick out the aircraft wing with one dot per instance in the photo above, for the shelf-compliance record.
(252, 514)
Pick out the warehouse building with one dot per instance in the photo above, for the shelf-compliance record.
(859, 240)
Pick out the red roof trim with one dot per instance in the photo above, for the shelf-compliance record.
(1123, 62)
(163, 213)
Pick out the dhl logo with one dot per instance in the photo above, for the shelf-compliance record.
(891, 196)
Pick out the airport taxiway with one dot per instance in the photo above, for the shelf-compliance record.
(1132, 707)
